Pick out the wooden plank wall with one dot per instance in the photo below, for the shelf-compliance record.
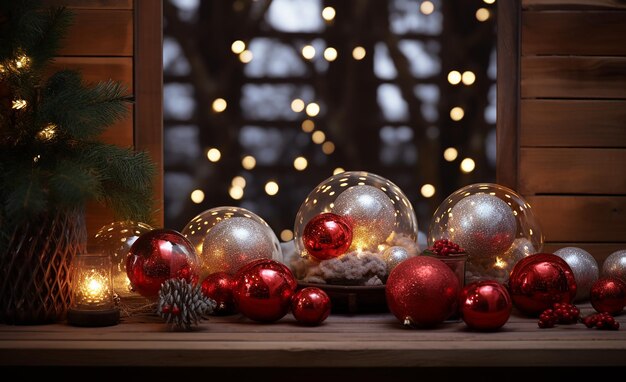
(568, 136)
(104, 43)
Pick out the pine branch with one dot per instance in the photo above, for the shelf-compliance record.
(71, 184)
(27, 197)
(82, 112)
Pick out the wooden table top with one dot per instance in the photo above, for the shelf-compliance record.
(366, 340)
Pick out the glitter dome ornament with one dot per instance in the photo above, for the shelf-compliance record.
(159, 255)
(226, 238)
(379, 214)
(539, 281)
(394, 256)
(615, 265)
(494, 225)
(585, 269)
(115, 240)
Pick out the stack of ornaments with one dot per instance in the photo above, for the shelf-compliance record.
(353, 229)
(226, 260)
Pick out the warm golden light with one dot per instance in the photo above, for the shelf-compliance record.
(328, 147)
(22, 62)
(297, 105)
(235, 192)
(489, 1)
(300, 163)
(468, 77)
(328, 13)
(219, 105)
(286, 235)
(427, 190)
(330, 54)
(248, 162)
(213, 155)
(468, 165)
(239, 181)
(338, 170)
(308, 52)
(238, 46)
(18, 104)
(482, 14)
(245, 56)
(358, 53)
(312, 109)
(500, 263)
(271, 188)
(427, 7)
(47, 133)
(318, 137)
(308, 125)
(454, 77)
(457, 113)
(450, 154)
(197, 196)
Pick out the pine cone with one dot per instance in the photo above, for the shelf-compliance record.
(183, 305)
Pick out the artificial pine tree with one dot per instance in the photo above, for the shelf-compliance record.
(52, 162)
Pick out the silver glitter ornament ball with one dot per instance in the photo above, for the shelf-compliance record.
(394, 256)
(234, 242)
(371, 213)
(585, 268)
(615, 265)
(482, 224)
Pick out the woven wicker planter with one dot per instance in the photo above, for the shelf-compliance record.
(35, 268)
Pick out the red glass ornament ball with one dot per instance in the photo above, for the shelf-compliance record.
(422, 291)
(218, 286)
(538, 281)
(310, 306)
(608, 295)
(263, 289)
(157, 256)
(327, 236)
(485, 305)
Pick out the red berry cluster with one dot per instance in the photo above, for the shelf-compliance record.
(603, 321)
(566, 314)
(445, 247)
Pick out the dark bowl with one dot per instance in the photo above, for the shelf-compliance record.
(353, 299)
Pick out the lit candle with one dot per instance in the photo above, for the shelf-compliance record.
(92, 292)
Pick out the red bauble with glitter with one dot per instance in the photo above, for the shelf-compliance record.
(485, 305)
(263, 289)
(327, 236)
(159, 255)
(310, 306)
(218, 287)
(422, 291)
(608, 295)
(538, 281)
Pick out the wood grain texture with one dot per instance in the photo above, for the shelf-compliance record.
(572, 171)
(581, 218)
(98, 32)
(508, 93)
(573, 4)
(574, 33)
(360, 341)
(94, 69)
(573, 77)
(572, 123)
(148, 77)
(91, 4)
